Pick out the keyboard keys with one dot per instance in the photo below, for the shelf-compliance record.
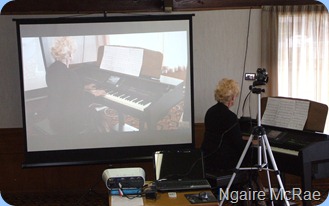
(128, 100)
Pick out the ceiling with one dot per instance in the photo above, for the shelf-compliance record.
(129, 6)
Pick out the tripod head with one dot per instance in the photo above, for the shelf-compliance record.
(256, 90)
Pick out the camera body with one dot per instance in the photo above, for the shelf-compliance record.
(261, 77)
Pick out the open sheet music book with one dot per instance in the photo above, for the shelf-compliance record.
(125, 60)
(286, 113)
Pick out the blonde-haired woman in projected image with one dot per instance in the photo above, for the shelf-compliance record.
(69, 97)
(63, 50)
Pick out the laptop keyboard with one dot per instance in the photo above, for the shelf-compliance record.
(183, 185)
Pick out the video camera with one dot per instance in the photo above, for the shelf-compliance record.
(261, 77)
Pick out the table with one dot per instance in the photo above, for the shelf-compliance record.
(163, 199)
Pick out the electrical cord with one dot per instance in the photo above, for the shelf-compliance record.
(245, 60)
(243, 109)
(187, 172)
(244, 103)
(221, 140)
(123, 194)
(208, 155)
(91, 190)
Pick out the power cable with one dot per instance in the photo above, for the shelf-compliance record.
(245, 60)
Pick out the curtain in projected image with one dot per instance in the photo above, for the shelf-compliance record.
(302, 69)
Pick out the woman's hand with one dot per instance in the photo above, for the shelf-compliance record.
(98, 92)
(93, 90)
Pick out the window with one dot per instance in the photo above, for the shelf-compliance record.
(303, 54)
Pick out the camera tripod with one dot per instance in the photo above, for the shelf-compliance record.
(263, 148)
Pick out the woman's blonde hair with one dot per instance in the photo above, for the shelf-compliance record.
(226, 90)
(63, 48)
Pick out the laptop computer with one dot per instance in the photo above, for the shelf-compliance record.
(177, 170)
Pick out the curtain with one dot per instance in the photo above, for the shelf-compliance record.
(269, 49)
(295, 48)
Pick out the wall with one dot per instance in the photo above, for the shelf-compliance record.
(10, 105)
(219, 51)
(219, 38)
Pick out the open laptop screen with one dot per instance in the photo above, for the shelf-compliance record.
(178, 165)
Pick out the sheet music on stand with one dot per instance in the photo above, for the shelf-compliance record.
(125, 60)
(286, 113)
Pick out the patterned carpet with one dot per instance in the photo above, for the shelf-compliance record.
(168, 122)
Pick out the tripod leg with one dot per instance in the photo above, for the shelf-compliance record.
(275, 167)
(237, 168)
(267, 170)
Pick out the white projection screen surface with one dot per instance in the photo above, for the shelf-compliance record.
(105, 89)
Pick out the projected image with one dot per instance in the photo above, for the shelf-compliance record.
(105, 90)
(78, 86)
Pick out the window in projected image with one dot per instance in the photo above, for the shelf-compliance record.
(117, 90)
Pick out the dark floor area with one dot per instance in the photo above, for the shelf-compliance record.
(87, 199)
(93, 198)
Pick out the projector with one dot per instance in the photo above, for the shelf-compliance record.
(124, 178)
